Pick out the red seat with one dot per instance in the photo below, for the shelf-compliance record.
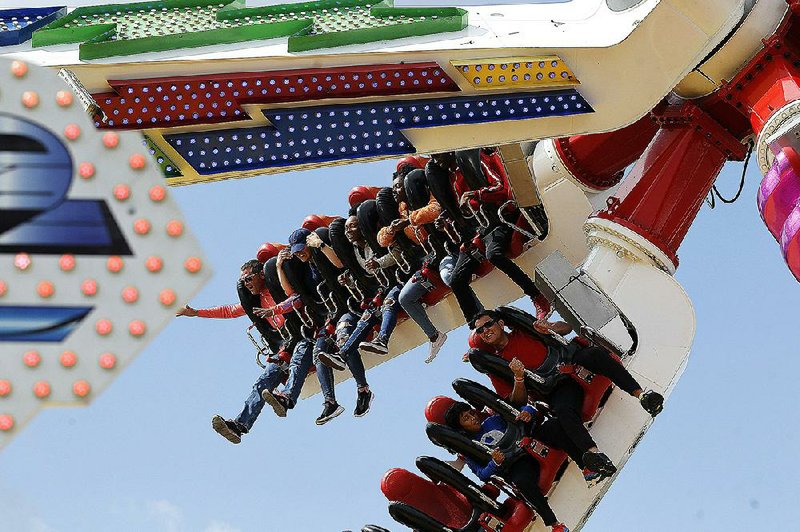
(593, 389)
(439, 501)
(268, 250)
(360, 194)
(517, 515)
(437, 408)
(315, 221)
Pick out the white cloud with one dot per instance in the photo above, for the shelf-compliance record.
(168, 516)
(38, 525)
(221, 526)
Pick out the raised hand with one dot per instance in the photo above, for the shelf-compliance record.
(313, 240)
(517, 368)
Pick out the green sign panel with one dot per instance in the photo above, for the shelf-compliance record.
(126, 29)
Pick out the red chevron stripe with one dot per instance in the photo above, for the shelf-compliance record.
(210, 99)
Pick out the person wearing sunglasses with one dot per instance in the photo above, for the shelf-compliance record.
(251, 281)
(566, 398)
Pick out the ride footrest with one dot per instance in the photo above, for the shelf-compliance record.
(582, 304)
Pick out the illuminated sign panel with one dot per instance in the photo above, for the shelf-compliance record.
(94, 255)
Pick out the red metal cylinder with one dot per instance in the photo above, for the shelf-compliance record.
(665, 190)
(599, 160)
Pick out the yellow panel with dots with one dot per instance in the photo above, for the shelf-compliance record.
(516, 72)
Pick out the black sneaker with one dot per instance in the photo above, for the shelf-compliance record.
(599, 463)
(652, 402)
(329, 411)
(278, 402)
(332, 360)
(363, 403)
(228, 429)
(378, 346)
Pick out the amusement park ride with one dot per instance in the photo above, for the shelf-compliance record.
(616, 116)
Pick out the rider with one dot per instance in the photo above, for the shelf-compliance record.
(296, 280)
(252, 280)
(314, 248)
(488, 429)
(372, 263)
(412, 223)
(496, 235)
(566, 398)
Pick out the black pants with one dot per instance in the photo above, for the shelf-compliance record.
(566, 399)
(497, 242)
(524, 474)
(552, 434)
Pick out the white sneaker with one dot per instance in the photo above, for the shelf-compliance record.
(435, 346)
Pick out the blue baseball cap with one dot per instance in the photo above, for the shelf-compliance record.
(297, 240)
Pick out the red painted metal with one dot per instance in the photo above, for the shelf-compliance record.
(215, 98)
(770, 80)
(598, 161)
(439, 501)
(666, 187)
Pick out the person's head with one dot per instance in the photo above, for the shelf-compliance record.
(406, 164)
(463, 418)
(352, 231)
(399, 187)
(252, 276)
(297, 241)
(489, 326)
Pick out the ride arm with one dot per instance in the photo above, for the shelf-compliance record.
(484, 473)
(519, 394)
(222, 312)
(331, 255)
(284, 280)
(386, 261)
(427, 214)
(561, 328)
(293, 302)
(385, 236)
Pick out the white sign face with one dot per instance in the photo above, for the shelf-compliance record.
(94, 254)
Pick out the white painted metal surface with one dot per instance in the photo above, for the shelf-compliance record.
(626, 61)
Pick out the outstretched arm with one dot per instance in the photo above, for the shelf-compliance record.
(222, 312)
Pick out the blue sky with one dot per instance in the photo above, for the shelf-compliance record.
(143, 455)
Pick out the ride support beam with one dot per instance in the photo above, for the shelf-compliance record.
(598, 161)
(663, 194)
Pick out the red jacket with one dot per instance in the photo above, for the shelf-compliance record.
(498, 190)
(293, 302)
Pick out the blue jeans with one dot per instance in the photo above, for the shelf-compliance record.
(269, 380)
(446, 267)
(345, 329)
(324, 373)
(299, 365)
(391, 305)
(413, 292)
(411, 300)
